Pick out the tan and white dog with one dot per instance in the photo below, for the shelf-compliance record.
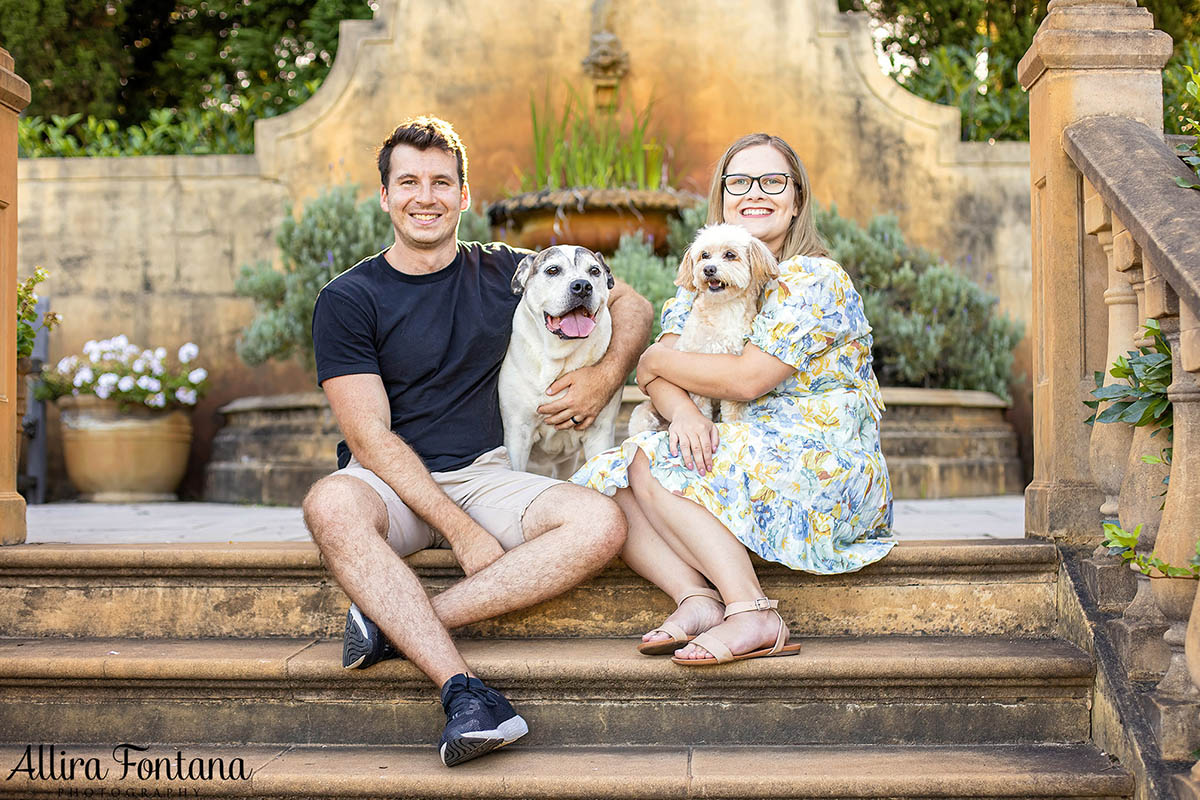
(727, 268)
(561, 324)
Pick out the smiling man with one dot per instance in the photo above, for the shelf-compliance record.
(409, 345)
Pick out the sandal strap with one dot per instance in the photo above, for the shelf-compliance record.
(715, 647)
(671, 629)
(711, 594)
(760, 604)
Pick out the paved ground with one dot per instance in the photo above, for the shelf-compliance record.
(963, 518)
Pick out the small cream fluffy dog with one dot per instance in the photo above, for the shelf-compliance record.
(561, 324)
(727, 268)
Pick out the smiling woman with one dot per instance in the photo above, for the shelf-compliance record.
(799, 478)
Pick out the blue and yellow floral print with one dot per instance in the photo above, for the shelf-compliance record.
(800, 479)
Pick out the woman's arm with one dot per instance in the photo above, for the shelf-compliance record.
(741, 378)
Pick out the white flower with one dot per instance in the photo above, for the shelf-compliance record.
(160, 353)
(188, 352)
(157, 367)
(84, 375)
(108, 380)
(156, 400)
(149, 384)
(92, 349)
(102, 391)
(120, 340)
(139, 365)
(67, 365)
(126, 383)
(197, 375)
(186, 396)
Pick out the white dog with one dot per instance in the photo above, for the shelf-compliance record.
(561, 324)
(727, 268)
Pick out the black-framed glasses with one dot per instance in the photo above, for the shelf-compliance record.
(770, 183)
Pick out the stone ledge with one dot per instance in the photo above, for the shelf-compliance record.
(1134, 172)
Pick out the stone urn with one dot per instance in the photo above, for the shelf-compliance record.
(131, 455)
(593, 218)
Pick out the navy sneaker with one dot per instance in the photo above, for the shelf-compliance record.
(478, 720)
(363, 644)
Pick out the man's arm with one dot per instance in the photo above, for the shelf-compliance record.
(589, 389)
(360, 405)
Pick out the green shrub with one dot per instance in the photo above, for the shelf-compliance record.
(1190, 123)
(933, 326)
(332, 234)
(1181, 106)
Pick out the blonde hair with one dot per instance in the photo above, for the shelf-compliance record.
(802, 237)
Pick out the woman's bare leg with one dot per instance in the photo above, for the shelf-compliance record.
(719, 555)
(647, 554)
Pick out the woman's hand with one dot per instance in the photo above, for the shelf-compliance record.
(694, 437)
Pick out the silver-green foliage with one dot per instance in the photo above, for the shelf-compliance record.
(933, 326)
(333, 233)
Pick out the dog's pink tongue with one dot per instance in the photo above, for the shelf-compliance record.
(577, 324)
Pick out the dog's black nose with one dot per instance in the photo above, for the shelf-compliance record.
(581, 288)
(710, 271)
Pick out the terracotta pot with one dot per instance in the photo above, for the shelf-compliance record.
(115, 456)
(593, 218)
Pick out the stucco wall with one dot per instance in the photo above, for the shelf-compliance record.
(151, 246)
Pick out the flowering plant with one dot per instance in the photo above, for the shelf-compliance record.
(116, 369)
(28, 323)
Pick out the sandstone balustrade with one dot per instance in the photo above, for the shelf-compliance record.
(1109, 222)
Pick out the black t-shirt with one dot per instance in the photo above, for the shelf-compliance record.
(436, 340)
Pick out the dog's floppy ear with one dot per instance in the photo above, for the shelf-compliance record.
(524, 270)
(686, 278)
(607, 270)
(763, 266)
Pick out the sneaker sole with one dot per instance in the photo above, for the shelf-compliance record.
(480, 743)
(355, 649)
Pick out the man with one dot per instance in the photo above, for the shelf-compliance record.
(408, 347)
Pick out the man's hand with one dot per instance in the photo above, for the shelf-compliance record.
(476, 551)
(587, 392)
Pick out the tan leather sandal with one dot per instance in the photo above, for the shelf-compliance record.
(720, 652)
(679, 637)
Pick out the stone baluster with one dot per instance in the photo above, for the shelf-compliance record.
(1109, 580)
(14, 96)
(1138, 633)
(1175, 702)
(1124, 57)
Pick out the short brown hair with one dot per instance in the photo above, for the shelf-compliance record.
(423, 133)
(802, 236)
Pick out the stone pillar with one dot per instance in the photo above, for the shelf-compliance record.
(1089, 57)
(14, 96)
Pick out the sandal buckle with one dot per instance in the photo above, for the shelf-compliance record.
(762, 604)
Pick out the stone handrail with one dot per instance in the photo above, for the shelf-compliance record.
(1133, 170)
(1149, 229)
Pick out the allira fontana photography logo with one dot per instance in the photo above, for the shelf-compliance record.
(51, 762)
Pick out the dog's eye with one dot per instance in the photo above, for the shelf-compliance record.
(594, 271)
(552, 270)
(730, 255)
(704, 255)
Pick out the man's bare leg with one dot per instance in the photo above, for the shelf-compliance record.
(348, 521)
(570, 534)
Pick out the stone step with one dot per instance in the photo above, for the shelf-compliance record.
(876, 690)
(248, 590)
(523, 771)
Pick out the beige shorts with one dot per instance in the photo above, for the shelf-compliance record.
(487, 489)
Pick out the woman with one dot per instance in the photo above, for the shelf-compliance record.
(800, 480)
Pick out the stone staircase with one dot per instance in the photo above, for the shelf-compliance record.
(936, 673)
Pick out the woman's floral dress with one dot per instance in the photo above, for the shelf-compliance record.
(800, 479)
